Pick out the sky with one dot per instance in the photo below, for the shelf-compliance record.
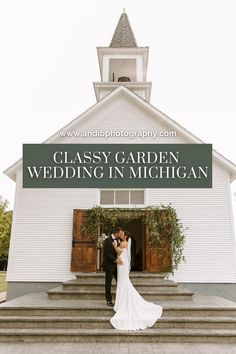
(48, 62)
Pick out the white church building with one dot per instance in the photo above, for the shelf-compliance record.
(41, 245)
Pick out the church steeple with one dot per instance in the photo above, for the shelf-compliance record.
(123, 63)
(123, 35)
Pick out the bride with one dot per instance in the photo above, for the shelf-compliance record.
(132, 311)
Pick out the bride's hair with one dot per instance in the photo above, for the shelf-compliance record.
(127, 234)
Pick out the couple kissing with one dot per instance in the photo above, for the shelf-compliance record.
(132, 311)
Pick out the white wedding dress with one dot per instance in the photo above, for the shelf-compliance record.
(132, 311)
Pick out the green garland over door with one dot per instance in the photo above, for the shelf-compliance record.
(165, 231)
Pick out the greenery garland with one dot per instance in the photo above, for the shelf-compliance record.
(166, 230)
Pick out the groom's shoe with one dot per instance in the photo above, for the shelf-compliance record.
(110, 303)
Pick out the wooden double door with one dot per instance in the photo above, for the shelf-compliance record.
(84, 251)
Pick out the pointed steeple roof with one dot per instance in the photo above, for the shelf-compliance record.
(123, 35)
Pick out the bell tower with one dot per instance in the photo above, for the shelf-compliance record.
(123, 63)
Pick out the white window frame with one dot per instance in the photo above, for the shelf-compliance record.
(98, 198)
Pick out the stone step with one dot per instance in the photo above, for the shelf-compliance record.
(95, 285)
(103, 322)
(135, 276)
(178, 294)
(3, 296)
(197, 322)
(150, 335)
(96, 309)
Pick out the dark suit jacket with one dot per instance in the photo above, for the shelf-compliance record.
(109, 255)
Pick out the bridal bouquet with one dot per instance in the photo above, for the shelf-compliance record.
(101, 239)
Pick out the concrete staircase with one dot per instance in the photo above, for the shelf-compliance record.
(92, 286)
(77, 312)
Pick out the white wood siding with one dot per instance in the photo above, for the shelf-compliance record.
(210, 244)
(41, 240)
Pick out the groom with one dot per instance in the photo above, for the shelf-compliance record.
(110, 261)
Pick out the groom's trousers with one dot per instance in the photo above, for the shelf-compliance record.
(108, 279)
